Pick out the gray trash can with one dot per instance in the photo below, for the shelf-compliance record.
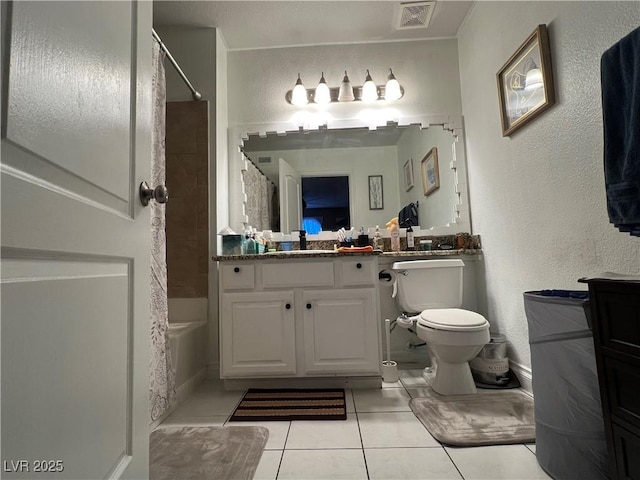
(570, 438)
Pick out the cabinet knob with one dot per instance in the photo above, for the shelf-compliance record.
(288, 306)
(358, 265)
(308, 306)
(237, 269)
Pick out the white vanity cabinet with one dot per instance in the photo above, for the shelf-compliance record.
(258, 337)
(340, 333)
(308, 317)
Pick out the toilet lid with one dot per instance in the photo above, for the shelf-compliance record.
(452, 319)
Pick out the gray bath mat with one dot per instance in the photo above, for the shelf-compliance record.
(206, 452)
(489, 418)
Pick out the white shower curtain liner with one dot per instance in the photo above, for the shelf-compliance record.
(162, 382)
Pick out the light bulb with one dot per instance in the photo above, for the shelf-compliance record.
(299, 94)
(346, 90)
(392, 89)
(322, 95)
(369, 90)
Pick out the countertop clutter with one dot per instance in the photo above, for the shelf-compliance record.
(441, 246)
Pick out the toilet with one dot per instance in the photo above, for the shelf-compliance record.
(430, 292)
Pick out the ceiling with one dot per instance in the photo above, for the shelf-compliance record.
(270, 23)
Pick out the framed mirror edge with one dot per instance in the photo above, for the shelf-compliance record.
(237, 134)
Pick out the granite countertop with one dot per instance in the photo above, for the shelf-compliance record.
(297, 254)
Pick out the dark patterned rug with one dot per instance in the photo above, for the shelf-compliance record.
(220, 453)
(488, 418)
(291, 404)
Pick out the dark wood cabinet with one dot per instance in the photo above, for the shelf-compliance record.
(615, 312)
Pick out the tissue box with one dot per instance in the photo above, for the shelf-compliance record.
(232, 244)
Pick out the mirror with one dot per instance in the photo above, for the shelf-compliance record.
(383, 167)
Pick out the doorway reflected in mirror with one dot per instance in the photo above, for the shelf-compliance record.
(325, 203)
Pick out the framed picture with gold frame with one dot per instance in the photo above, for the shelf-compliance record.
(430, 172)
(525, 82)
(408, 175)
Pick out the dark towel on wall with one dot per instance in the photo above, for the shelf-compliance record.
(620, 75)
(408, 216)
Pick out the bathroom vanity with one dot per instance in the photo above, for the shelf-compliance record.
(299, 315)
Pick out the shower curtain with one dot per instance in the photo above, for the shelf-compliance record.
(162, 382)
(259, 190)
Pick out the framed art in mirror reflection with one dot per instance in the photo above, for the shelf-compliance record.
(430, 172)
(376, 199)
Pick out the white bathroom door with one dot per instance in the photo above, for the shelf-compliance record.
(76, 144)
(290, 197)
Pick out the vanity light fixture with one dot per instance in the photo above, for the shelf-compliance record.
(346, 90)
(323, 94)
(392, 89)
(299, 94)
(369, 90)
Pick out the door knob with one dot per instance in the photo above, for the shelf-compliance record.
(160, 194)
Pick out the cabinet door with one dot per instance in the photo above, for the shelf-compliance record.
(341, 331)
(257, 333)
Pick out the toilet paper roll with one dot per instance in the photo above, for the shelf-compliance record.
(386, 278)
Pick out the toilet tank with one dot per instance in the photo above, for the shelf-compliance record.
(424, 284)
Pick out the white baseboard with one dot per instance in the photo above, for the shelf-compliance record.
(524, 375)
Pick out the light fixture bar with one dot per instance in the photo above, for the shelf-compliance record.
(334, 92)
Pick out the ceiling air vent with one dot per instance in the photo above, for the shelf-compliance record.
(415, 15)
(264, 159)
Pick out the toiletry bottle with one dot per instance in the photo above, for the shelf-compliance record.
(245, 242)
(270, 246)
(410, 243)
(251, 244)
(394, 232)
(377, 239)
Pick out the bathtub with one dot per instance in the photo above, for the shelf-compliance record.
(188, 347)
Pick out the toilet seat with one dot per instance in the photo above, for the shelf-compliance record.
(452, 320)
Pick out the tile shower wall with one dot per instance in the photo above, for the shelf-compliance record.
(187, 153)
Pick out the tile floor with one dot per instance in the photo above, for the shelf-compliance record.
(381, 439)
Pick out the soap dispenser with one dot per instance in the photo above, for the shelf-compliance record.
(303, 240)
(251, 247)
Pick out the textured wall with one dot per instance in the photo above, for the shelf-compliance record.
(259, 79)
(537, 197)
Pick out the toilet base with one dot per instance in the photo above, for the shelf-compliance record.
(453, 379)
